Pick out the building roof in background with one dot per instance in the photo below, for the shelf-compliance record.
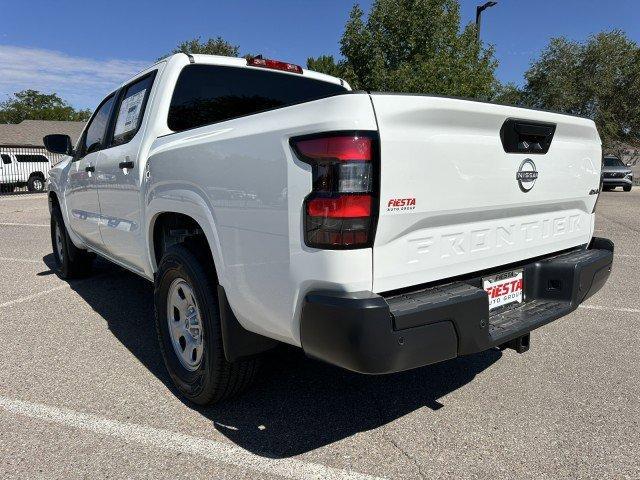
(30, 132)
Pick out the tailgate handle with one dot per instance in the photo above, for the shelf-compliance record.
(526, 136)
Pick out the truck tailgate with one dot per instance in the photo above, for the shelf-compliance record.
(451, 199)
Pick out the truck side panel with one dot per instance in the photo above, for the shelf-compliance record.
(244, 171)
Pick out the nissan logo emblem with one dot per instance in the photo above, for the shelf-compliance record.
(527, 175)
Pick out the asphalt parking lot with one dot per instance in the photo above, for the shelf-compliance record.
(84, 393)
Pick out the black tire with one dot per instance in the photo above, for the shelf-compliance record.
(627, 188)
(607, 189)
(36, 183)
(7, 188)
(71, 262)
(214, 379)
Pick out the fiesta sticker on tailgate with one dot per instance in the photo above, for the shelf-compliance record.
(401, 204)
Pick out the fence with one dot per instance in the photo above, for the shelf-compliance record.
(25, 169)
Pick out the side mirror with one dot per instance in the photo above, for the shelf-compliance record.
(58, 143)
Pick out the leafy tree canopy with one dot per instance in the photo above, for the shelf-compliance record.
(412, 46)
(34, 105)
(213, 46)
(325, 64)
(598, 78)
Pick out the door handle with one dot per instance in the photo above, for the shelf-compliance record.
(124, 165)
(90, 168)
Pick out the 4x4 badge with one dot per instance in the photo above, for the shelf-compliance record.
(527, 175)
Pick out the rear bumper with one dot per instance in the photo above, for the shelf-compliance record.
(369, 333)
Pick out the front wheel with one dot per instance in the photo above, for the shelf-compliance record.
(189, 332)
(71, 262)
(35, 183)
(627, 188)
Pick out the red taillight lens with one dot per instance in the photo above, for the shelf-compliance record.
(338, 148)
(341, 209)
(274, 64)
(344, 206)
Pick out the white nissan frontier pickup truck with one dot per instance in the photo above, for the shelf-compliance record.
(378, 232)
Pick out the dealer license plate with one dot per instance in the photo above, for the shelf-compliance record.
(503, 288)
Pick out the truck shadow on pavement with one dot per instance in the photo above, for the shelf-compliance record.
(297, 404)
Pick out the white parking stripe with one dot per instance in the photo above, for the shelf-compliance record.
(613, 309)
(178, 442)
(4, 224)
(21, 260)
(35, 295)
(9, 198)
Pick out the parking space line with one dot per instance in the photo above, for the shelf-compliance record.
(178, 442)
(21, 260)
(613, 309)
(4, 224)
(13, 198)
(32, 296)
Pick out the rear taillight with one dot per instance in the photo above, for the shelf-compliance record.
(341, 209)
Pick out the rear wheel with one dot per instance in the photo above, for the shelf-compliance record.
(7, 188)
(36, 183)
(71, 262)
(189, 332)
(627, 188)
(607, 189)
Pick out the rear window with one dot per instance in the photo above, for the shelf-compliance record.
(31, 158)
(206, 94)
(612, 162)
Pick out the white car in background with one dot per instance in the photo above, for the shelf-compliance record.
(19, 169)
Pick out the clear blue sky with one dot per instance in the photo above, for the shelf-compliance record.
(81, 49)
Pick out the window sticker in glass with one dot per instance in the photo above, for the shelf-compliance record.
(129, 113)
(131, 110)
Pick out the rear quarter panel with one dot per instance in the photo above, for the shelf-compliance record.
(241, 181)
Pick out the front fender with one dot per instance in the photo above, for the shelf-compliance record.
(58, 178)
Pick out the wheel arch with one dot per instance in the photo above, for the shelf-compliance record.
(237, 341)
(181, 214)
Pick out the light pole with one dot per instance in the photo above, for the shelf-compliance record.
(479, 10)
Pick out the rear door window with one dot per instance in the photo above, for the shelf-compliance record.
(31, 158)
(206, 94)
(612, 162)
(131, 110)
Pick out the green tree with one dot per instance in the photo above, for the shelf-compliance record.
(509, 94)
(213, 46)
(599, 78)
(325, 64)
(414, 46)
(34, 105)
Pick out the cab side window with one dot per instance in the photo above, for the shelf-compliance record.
(96, 133)
(6, 159)
(131, 110)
